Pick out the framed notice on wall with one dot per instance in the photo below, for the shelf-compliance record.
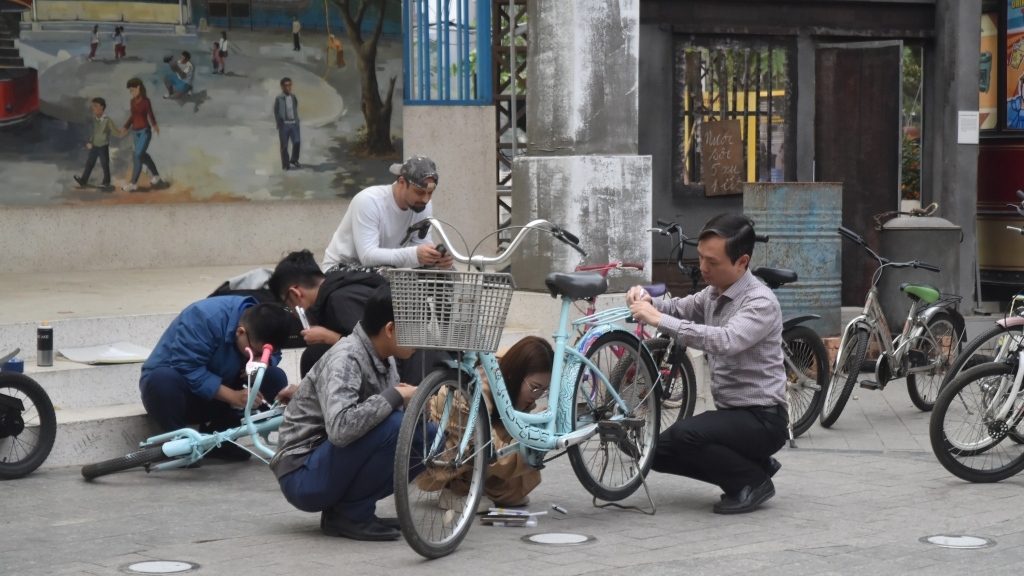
(1014, 64)
(721, 157)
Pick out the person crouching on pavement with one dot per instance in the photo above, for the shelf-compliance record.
(196, 373)
(737, 322)
(336, 447)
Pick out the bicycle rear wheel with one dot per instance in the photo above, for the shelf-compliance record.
(27, 431)
(844, 376)
(938, 352)
(127, 462)
(982, 350)
(678, 383)
(809, 358)
(430, 472)
(965, 439)
(608, 470)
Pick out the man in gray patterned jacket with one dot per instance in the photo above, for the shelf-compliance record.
(336, 449)
(737, 322)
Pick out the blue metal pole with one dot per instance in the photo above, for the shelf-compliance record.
(483, 51)
(458, 42)
(425, 50)
(446, 52)
(407, 50)
(465, 77)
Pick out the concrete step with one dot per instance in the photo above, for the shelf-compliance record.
(6, 42)
(87, 435)
(11, 62)
(9, 52)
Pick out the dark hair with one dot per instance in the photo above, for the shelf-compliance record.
(136, 83)
(378, 311)
(186, 55)
(738, 231)
(285, 79)
(297, 269)
(101, 102)
(216, 44)
(223, 34)
(531, 355)
(267, 324)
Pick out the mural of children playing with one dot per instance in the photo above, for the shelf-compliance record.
(142, 123)
(94, 43)
(98, 144)
(179, 81)
(119, 45)
(216, 57)
(335, 44)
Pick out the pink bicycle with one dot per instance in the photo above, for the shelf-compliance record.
(678, 390)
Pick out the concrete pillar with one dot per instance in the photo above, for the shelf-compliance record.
(466, 194)
(581, 170)
(954, 167)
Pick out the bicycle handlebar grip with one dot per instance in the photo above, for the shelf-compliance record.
(926, 266)
(663, 223)
(267, 351)
(762, 239)
(851, 235)
(1020, 194)
(570, 237)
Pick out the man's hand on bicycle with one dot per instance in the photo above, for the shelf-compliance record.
(320, 335)
(236, 398)
(406, 391)
(285, 396)
(637, 294)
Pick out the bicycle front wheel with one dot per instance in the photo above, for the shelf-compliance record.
(27, 432)
(438, 485)
(678, 383)
(982, 350)
(612, 471)
(965, 438)
(937, 352)
(143, 457)
(806, 376)
(844, 376)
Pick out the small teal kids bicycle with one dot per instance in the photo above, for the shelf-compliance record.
(184, 447)
(608, 425)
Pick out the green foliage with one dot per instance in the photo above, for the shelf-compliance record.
(910, 189)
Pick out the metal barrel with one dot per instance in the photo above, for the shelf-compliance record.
(801, 219)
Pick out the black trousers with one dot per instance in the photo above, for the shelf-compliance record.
(411, 371)
(295, 39)
(728, 448)
(103, 154)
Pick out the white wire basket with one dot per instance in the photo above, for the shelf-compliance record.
(450, 310)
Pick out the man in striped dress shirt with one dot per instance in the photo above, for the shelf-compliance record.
(737, 322)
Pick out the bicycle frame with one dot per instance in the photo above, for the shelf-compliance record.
(535, 434)
(187, 446)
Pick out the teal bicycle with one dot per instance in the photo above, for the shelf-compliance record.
(604, 398)
(184, 447)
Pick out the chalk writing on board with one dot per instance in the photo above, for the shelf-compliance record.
(722, 157)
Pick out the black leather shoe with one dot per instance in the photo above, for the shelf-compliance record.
(296, 164)
(747, 500)
(334, 524)
(389, 523)
(773, 467)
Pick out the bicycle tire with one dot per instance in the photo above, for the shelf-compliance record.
(420, 401)
(46, 434)
(944, 448)
(801, 340)
(639, 394)
(856, 350)
(923, 391)
(677, 378)
(126, 462)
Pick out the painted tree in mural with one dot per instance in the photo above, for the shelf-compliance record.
(377, 112)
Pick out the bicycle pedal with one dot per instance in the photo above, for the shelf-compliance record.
(869, 384)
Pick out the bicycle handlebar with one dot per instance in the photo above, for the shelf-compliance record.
(480, 262)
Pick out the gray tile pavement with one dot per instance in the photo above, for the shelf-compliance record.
(853, 500)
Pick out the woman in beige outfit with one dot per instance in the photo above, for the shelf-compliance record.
(526, 369)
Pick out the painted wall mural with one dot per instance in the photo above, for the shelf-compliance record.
(180, 119)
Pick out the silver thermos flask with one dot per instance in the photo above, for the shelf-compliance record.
(44, 345)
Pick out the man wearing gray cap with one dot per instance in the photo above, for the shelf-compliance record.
(373, 232)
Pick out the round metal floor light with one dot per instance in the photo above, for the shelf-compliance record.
(160, 567)
(958, 541)
(558, 539)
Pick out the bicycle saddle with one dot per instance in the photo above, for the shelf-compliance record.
(656, 290)
(775, 277)
(923, 292)
(578, 285)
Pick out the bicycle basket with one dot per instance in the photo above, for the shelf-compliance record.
(450, 310)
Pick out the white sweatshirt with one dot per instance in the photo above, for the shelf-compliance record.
(372, 230)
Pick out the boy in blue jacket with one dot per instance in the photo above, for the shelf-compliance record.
(195, 375)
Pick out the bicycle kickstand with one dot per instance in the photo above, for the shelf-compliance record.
(617, 432)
